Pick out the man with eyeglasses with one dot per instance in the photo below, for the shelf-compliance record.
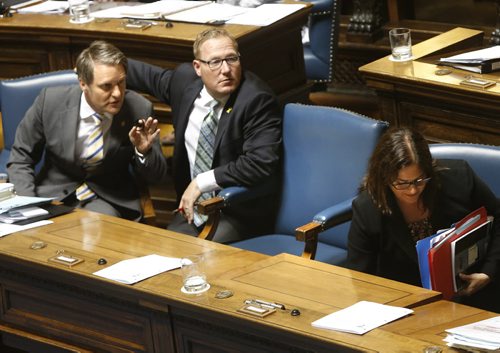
(246, 123)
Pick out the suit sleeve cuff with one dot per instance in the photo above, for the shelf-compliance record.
(206, 181)
(140, 157)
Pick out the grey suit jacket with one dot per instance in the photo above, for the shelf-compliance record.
(49, 131)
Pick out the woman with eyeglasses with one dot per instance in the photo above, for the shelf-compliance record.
(407, 196)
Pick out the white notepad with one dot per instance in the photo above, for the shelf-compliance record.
(361, 317)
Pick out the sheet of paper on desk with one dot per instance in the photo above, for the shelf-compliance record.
(475, 57)
(47, 7)
(153, 10)
(135, 270)
(6, 229)
(265, 14)
(22, 214)
(22, 201)
(361, 317)
(483, 335)
(208, 13)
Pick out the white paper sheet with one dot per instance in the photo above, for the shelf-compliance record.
(476, 56)
(265, 14)
(6, 229)
(135, 270)
(483, 334)
(154, 10)
(361, 317)
(22, 201)
(209, 13)
(48, 6)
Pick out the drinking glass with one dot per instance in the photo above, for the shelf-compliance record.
(79, 11)
(194, 278)
(400, 39)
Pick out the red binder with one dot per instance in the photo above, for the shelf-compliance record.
(440, 256)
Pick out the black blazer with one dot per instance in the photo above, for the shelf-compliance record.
(382, 245)
(248, 141)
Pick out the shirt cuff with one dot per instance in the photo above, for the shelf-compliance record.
(140, 156)
(206, 181)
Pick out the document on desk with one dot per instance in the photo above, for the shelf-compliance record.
(46, 7)
(212, 13)
(135, 270)
(482, 335)
(480, 61)
(153, 10)
(361, 317)
(10, 201)
(266, 14)
(6, 228)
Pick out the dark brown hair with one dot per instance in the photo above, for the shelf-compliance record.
(398, 148)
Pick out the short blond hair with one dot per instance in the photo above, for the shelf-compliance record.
(211, 33)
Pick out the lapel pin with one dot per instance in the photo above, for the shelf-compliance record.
(229, 110)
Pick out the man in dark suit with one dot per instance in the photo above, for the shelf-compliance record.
(87, 136)
(247, 142)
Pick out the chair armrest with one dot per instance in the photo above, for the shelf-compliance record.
(335, 215)
(228, 197)
(328, 218)
(320, 6)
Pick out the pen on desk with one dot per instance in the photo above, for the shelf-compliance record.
(264, 303)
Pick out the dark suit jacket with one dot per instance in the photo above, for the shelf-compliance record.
(50, 127)
(248, 141)
(382, 245)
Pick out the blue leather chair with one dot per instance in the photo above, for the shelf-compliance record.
(326, 152)
(323, 40)
(484, 159)
(17, 95)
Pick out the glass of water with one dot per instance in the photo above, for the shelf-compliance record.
(79, 11)
(194, 278)
(400, 39)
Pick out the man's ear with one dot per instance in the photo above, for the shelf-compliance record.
(83, 85)
(197, 67)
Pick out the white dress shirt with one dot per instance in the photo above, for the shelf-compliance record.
(87, 124)
(201, 107)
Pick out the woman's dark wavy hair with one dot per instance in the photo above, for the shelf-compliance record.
(398, 148)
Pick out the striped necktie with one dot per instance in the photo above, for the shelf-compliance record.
(93, 154)
(205, 154)
(93, 147)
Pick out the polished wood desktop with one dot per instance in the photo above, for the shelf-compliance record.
(414, 94)
(69, 307)
(34, 43)
(429, 322)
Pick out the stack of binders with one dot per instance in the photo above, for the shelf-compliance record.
(443, 256)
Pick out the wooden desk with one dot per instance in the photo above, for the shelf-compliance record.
(34, 43)
(430, 321)
(411, 94)
(69, 307)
